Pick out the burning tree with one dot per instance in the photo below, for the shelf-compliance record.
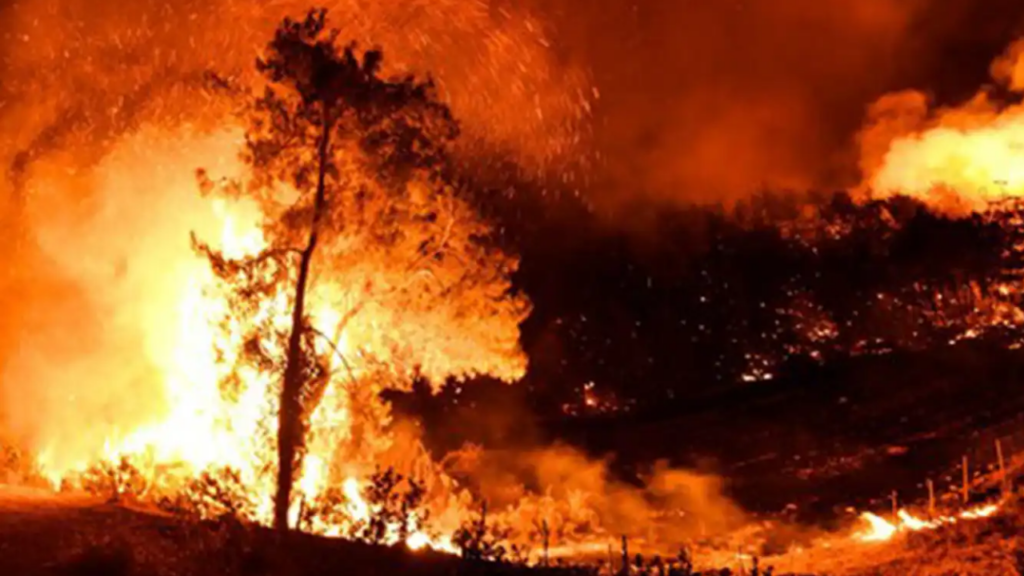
(372, 257)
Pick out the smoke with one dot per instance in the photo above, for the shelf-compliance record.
(499, 451)
(955, 158)
(711, 101)
(580, 498)
(95, 295)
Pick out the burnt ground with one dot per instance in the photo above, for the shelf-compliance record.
(846, 434)
(45, 534)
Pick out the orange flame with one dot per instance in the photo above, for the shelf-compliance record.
(172, 417)
(881, 530)
(955, 159)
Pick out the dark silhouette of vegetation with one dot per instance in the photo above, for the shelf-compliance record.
(118, 480)
(479, 541)
(683, 566)
(396, 504)
(219, 494)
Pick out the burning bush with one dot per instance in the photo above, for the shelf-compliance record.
(479, 540)
(214, 494)
(117, 480)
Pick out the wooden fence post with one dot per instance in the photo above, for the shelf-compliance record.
(931, 499)
(547, 542)
(895, 508)
(1003, 479)
(625, 556)
(965, 493)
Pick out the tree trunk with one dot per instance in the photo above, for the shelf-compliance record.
(289, 420)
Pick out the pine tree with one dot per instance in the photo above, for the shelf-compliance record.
(353, 175)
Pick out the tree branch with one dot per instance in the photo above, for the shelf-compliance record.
(337, 351)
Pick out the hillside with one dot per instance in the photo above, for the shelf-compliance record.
(835, 436)
(46, 534)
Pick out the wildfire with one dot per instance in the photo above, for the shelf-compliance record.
(130, 349)
(174, 420)
(881, 530)
(956, 159)
(143, 366)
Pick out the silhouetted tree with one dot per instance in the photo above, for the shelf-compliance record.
(352, 174)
